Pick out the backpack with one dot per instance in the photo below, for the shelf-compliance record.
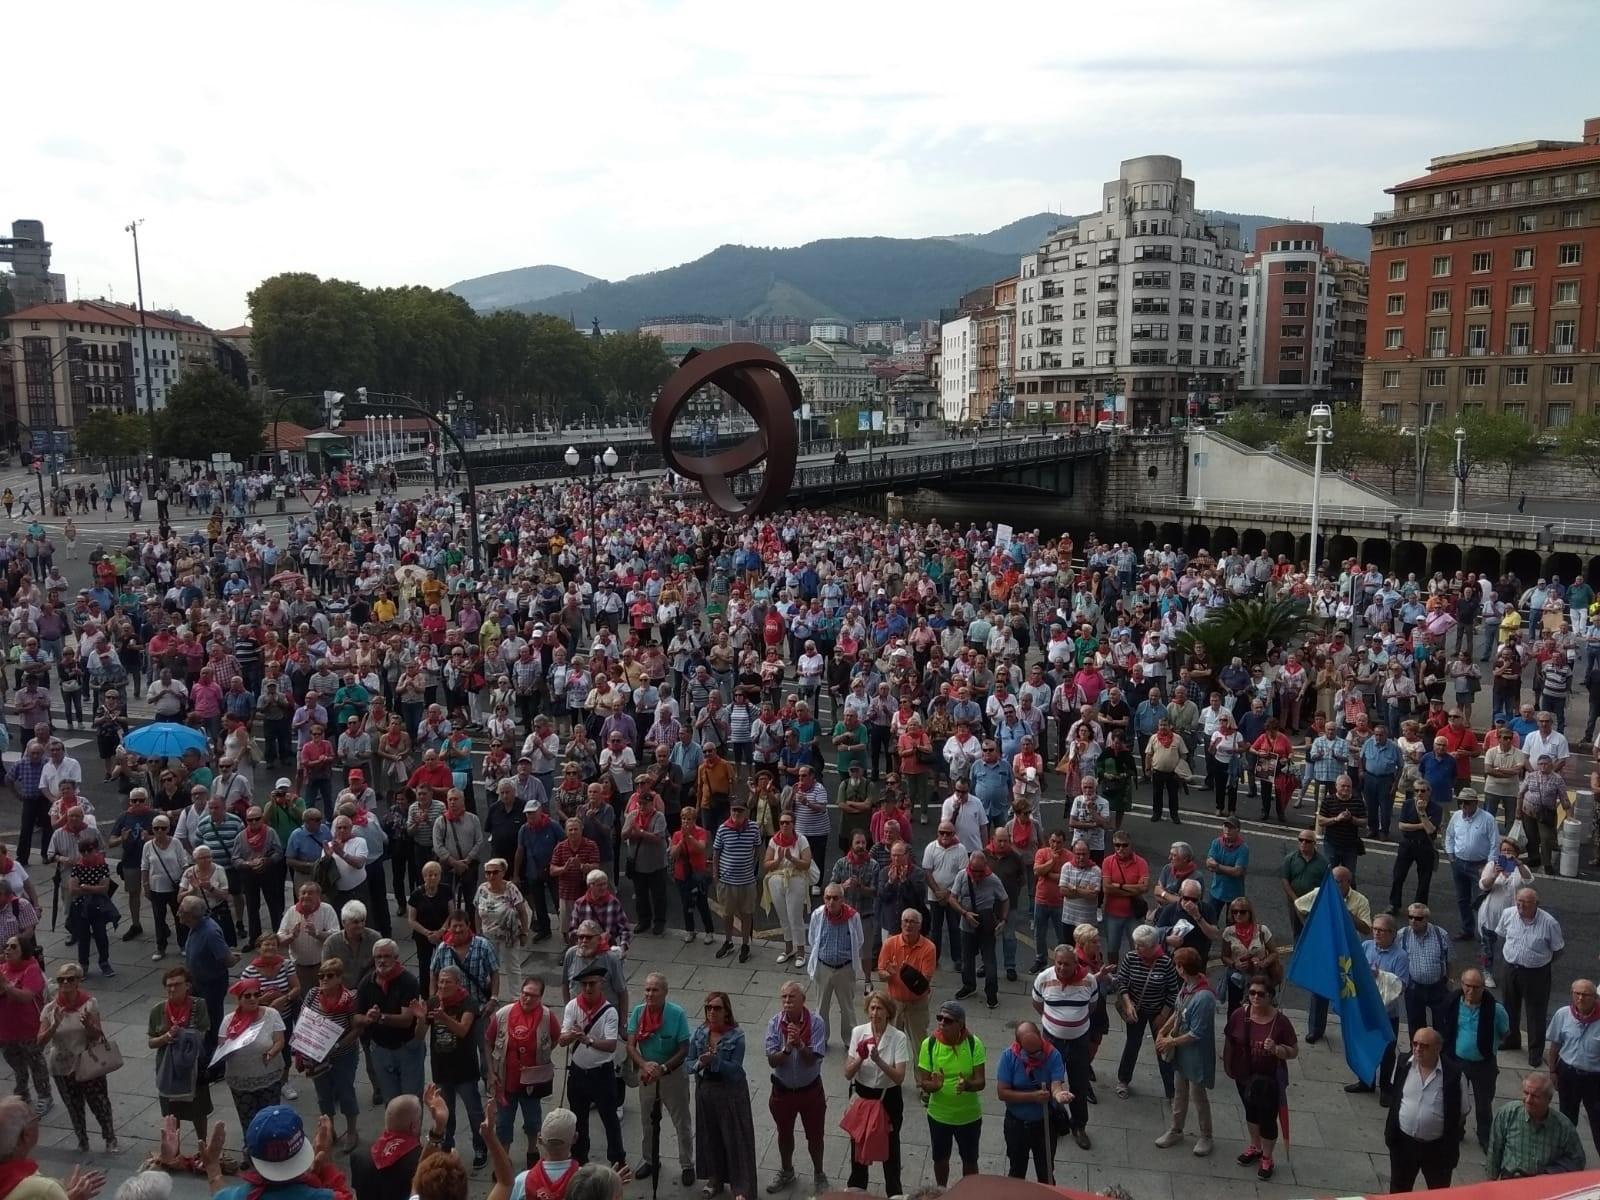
(325, 874)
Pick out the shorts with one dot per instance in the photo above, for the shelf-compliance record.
(809, 1103)
(965, 1138)
(737, 899)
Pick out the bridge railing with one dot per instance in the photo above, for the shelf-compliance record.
(1409, 518)
(863, 473)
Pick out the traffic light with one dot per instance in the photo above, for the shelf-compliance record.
(334, 402)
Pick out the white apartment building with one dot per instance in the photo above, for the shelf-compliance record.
(1139, 302)
(958, 369)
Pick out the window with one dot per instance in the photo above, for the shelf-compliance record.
(1514, 376)
(1522, 259)
(1298, 309)
(1441, 265)
(1477, 339)
(1519, 337)
(1571, 218)
(1291, 375)
(1482, 261)
(1146, 331)
(1292, 331)
(1396, 303)
(1515, 409)
(1521, 293)
(1080, 311)
(1474, 376)
(1186, 333)
(1563, 336)
(1389, 414)
(1105, 333)
(1481, 228)
(1297, 287)
(1398, 238)
(1439, 301)
(1566, 291)
(1570, 254)
(1561, 376)
(1443, 233)
(1524, 222)
(1391, 379)
(1478, 297)
(1397, 272)
(1392, 339)
(1433, 377)
(1558, 414)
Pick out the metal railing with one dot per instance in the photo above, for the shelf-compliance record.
(1410, 519)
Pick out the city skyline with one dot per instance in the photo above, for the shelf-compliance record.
(435, 145)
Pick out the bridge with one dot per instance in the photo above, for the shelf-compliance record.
(1409, 540)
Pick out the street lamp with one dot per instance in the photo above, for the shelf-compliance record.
(1319, 432)
(1461, 475)
(1195, 434)
(601, 466)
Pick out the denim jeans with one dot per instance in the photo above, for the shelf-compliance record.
(1468, 895)
(472, 1098)
(1130, 1053)
(942, 919)
(505, 1116)
(336, 1087)
(399, 1071)
(1008, 937)
(1117, 931)
(1048, 932)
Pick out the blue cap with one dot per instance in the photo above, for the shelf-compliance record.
(276, 1139)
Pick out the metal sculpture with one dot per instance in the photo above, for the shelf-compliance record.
(759, 382)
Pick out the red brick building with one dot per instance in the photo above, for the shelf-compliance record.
(1485, 284)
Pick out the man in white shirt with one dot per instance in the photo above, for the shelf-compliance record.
(305, 927)
(589, 1026)
(1546, 740)
(966, 813)
(1426, 1134)
(1531, 941)
(943, 860)
(59, 768)
(349, 854)
(167, 696)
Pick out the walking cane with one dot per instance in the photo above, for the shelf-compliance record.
(655, 1133)
(1049, 1147)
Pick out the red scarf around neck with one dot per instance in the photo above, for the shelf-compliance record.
(384, 978)
(461, 940)
(14, 1172)
(1245, 933)
(650, 1020)
(842, 916)
(308, 909)
(785, 839)
(178, 1015)
(589, 1007)
(801, 1022)
(1583, 1020)
(240, 1021)
(95, 858)
(391, 1147)
(74, 1006)
(860, 860)
(1164, 736)
(338, 1005)
(255, 836)
(1031, 1060)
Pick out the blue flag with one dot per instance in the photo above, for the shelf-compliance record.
(1329, 962)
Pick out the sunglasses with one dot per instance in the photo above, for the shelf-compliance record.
(328, 974)
(714, 1007)
(1259, 992)
(944, 1019)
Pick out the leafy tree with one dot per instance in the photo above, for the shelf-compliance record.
(208, 413)
(425, 341)
(630, 367)
(559, 373)
(111, 436)
(1248, 628)
(1385, 447)
(311, 334)
(1579, 443)
(1253, 428)
(1493, 439)
(1352, 435)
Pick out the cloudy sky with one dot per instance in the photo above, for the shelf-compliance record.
(423, 141)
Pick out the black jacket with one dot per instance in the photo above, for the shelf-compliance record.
(1454, 1122)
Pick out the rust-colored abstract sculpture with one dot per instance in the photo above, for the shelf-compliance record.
(761, 384)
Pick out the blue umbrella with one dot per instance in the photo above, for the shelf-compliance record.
(165, 739)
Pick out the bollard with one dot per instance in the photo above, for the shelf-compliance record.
(1571, 839)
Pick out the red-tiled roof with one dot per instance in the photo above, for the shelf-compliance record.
(238, 331)
(288, 436)
(76, 310)
(1514, 164)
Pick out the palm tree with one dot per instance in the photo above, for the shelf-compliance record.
(1247, 628)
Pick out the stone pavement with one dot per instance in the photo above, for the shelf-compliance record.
(1336, 1139)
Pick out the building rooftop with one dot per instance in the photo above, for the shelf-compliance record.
(1514, 158)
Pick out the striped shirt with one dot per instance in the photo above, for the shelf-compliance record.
(736, 851)
(740, 719)
(1067, 1006)
(1151, 986)
(219, 836)
(1427, 954)
(1078, 910)
(812, 822)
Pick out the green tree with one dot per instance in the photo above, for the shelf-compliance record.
(1579, 443)
(311, 334)
(1253, 428)
(1493, 440)
(425, 342)
(1384, 447)
(208, 413)
(1248, 628)
(113, 436)
(558, 374)
(630, 368)
(1352, 436)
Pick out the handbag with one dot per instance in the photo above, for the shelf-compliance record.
(97, 1060)
(1518, 834)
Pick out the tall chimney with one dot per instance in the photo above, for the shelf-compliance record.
(1591, 131)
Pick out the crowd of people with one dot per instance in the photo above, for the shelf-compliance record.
(668, 717)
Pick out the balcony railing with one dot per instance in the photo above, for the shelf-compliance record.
(1519, 349)
(1562, 348)
(1438, 352)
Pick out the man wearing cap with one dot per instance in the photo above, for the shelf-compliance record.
(735, 863)
(283, 1162)
(1470, 839)
(590, 1027)
(950, 1068)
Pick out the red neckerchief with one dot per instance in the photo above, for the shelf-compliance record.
(391, 1147)
(1164, 736)
(385, 978)
(361, 817)
(1185, 871)
(93, 859)
(782, 839)
(844, 914)
(452, 815)
(239, 1022)
(1247, 933)
(256, 838)
(650, 1020)
(861, 861)
(311, 911)
(83, 998)
(6, 863)
(976, 876)
(1076, 975)
(588, 1009)
(178, 1017)
(1583, 1020)
(14, 1172)
(541, 819)
(802, 1023)
(461, 940)
(344, 1002)
(1031, 1062)
(1202, 984)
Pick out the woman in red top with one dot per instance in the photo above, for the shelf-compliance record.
(914, 746)
(688, 855)
(1269, 759)
(1257, 1045)
(21, 997)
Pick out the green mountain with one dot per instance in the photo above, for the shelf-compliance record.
(1023, 236)
(845, 277)
(506, 288)
(840, 277)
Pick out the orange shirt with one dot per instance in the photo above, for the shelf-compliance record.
(896, 953)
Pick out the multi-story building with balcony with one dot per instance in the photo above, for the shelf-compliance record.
(1292, 341)
(1138, 303)
(1484, 290)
